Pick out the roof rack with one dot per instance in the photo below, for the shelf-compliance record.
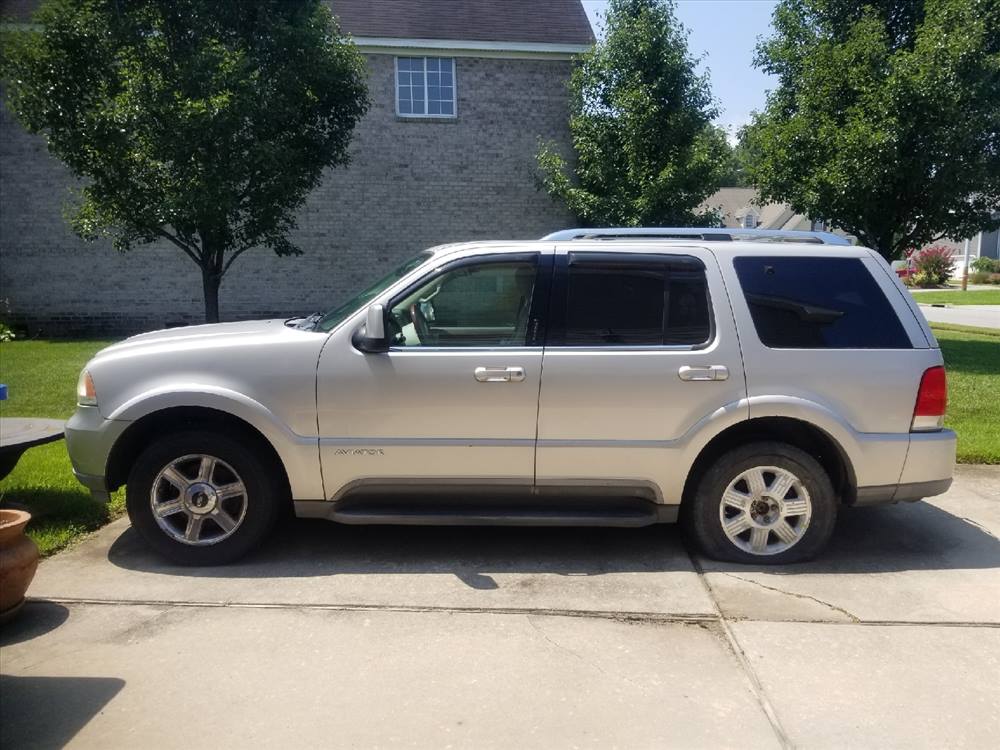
(726, 234)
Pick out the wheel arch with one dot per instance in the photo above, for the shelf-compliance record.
(804, 435)
(141, 432)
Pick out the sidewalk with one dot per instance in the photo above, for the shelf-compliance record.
(339, 636)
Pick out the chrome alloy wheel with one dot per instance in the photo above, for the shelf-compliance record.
(198, 500)
(765, 510)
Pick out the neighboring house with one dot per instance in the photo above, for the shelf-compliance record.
(738, 208)
(462, 93)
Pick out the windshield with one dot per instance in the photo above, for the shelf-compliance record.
(336, 316)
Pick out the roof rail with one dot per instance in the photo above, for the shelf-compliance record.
(724, 234)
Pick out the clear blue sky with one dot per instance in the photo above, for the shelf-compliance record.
(723, 34)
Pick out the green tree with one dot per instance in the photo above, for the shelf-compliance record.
(734, 163)
(198, 122)
(640, 120)
(886, 117)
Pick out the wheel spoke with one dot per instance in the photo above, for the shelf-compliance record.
(785, 532)
(736, 499)
(206, 469)
(226, 522)
(176, 478)
(780, 486)
(755, 480)
(795, 507)
(737, 525)
(169, 508)
(758, 539)
(193, 531)
(227, 491)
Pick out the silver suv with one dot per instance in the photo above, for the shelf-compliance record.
(745, 383)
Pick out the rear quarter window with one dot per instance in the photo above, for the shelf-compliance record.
(818, 303)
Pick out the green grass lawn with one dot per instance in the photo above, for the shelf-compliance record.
(971, 297)
(972, 358)
(41, 378)
(41, 382)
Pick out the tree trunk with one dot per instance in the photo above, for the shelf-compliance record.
(210, 284)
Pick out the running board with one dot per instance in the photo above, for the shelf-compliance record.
(489, 510)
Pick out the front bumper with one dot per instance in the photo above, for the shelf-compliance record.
(89, 440)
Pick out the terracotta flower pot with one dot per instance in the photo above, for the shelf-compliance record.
(18, 561)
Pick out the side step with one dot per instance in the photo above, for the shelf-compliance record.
(500, 511)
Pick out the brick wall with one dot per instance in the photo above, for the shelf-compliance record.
(411, 184)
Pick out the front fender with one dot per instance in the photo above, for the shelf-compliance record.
(298, 453)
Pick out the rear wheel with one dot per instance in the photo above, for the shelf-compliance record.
(202, 498)
(764, 503)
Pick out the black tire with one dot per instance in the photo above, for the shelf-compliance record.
(263, 498)
(702, 514)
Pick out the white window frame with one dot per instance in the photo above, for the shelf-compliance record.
(425, 115)
(749, 220)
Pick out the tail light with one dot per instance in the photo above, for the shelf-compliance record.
(932, 398)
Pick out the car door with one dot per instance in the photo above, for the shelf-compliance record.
(642, 348)
(455, 399)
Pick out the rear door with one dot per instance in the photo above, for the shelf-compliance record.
(641, 347)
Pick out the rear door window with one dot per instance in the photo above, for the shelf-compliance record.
(639, 300)
(818, 303)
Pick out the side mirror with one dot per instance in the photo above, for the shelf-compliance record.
(371, 338)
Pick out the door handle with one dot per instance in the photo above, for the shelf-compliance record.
(711, 372)
(499, 374)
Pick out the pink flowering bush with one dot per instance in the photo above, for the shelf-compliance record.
(932, 266)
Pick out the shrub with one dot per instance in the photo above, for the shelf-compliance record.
(933, 264)
(985, 265)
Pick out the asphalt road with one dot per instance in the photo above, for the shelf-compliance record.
(420, 637)
(980, 316)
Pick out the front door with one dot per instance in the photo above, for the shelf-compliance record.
(642, 348)
(455, 400)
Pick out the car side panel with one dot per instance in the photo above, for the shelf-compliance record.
(624, 413)
(863, 398)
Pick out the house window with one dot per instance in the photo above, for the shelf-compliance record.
(425, 86)
(749, 221)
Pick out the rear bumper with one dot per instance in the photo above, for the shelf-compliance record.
(927, 471)
(895, 493)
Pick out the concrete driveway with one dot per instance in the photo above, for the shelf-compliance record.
(419, 637)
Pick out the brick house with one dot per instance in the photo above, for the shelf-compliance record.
(461, 93)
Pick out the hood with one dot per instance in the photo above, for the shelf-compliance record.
(213, 334)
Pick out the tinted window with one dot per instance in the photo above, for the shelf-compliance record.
(620, 302)
(485, 304)
(818, 303)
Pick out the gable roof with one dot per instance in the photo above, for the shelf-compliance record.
(543, 21)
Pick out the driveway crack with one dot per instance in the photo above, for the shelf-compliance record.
(541, 631)
(978, 526)
(834, 607)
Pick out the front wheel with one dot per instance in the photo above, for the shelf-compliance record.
(765, 503)
(202, 498)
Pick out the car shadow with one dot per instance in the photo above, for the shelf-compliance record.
(916, 536)
(49, 711)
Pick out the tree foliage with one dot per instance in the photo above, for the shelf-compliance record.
(195, 121)
(734, 163)
(886, 117)
(640, 122)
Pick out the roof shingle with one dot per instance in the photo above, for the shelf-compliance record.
(543, 21)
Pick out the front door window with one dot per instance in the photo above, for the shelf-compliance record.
(482, 305)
